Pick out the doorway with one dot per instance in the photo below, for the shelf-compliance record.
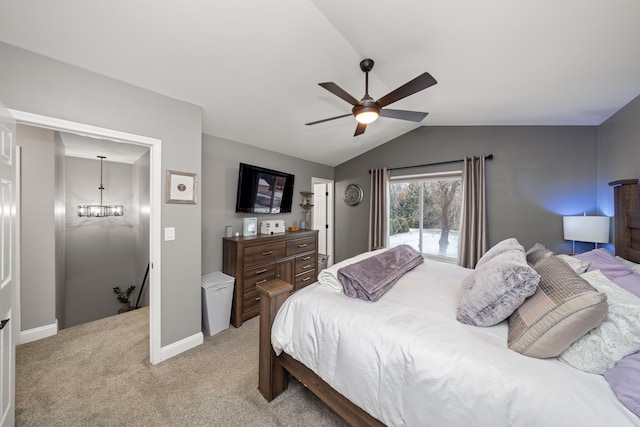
(322, 217)
(155, 186)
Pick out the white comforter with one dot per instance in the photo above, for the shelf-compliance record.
(407, 361)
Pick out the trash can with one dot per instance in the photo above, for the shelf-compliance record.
(322, 262)
(217, 295)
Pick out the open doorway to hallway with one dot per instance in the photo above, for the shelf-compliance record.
(154, 179)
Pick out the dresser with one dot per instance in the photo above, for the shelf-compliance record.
(253, 260)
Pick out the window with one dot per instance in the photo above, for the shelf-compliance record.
(424, 212)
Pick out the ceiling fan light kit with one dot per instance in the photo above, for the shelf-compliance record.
(367, 110)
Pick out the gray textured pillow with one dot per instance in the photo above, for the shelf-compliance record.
(498, 248)
(537, 253)
(563, 308)
(492, 292)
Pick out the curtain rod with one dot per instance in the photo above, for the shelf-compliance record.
(489, 157)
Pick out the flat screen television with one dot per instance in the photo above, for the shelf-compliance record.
(262, 190)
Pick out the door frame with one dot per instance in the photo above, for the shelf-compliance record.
(155, 196)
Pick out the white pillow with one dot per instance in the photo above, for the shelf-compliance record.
(578, 265)
(617, 336)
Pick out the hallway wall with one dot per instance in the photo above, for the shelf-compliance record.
(37, 260)
(99, 251)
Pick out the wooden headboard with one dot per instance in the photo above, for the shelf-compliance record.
(627, 219)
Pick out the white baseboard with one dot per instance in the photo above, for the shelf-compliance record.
(178, 347)
(38, 333)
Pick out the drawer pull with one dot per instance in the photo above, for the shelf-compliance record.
(302, 245)
(307, 258)
(306, 266)
(261, 271)
(306, 278)
(258, 299)
(267, 253)
(260, 282)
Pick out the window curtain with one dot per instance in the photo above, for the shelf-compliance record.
(473, 228)
(378, 209)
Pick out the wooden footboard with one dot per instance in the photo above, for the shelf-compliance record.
(274, 370)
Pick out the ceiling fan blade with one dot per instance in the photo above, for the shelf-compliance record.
(412, 116)
(421, 82)
(340, 93)
(326, 120)
(360, 129)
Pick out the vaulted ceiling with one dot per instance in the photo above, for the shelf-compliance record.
(254, 66)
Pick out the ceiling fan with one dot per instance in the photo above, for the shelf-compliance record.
(367, 110)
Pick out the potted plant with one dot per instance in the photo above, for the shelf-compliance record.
(123, 297)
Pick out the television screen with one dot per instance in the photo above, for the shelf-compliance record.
(262, 190)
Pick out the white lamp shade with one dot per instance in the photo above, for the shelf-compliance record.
(593, 229)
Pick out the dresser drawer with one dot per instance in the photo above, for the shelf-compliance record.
(305, 263)
(305, 279)
(299, 246)
(258, 275)
(251, 304)
(260, 254)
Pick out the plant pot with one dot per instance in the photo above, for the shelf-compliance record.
(126, 306)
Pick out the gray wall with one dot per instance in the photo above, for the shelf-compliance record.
(60, 241)
(99, 251)
(36, 84)
(220, 161)
(38, 225)
(618, 151)
(538, 174)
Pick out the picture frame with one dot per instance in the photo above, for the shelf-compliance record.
(250, 226)
(181, 187)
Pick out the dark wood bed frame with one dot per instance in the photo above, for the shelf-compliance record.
(627, 219)
(274, 371)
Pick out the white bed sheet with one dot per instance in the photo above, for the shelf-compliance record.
(406, 360)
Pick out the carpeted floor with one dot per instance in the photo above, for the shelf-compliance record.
(98, 374)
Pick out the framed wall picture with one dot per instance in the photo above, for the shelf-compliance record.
(250, 227)
(181, 187)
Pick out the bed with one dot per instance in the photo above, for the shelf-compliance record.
(407, 360)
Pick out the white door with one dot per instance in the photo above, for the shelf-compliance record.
(323, 215)
(320, 215)
(7, 268)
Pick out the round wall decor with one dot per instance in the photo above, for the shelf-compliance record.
(353, 194)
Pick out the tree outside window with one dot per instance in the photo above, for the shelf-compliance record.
(425, 213)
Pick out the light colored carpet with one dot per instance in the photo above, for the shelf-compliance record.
(98, 374)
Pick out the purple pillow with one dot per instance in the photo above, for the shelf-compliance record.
(623, 379)
(601, 259)
(630, 282)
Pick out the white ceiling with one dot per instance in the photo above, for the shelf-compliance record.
(254, 65)
(89, 148)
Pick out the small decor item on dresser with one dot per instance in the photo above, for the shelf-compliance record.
(293, 228)
(353, 194)
(272, 226)
(250, 226)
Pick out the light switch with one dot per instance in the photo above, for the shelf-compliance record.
(169, 233)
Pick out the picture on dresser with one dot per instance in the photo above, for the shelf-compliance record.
(250, 226)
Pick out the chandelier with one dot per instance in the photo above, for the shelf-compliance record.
(100, 210)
